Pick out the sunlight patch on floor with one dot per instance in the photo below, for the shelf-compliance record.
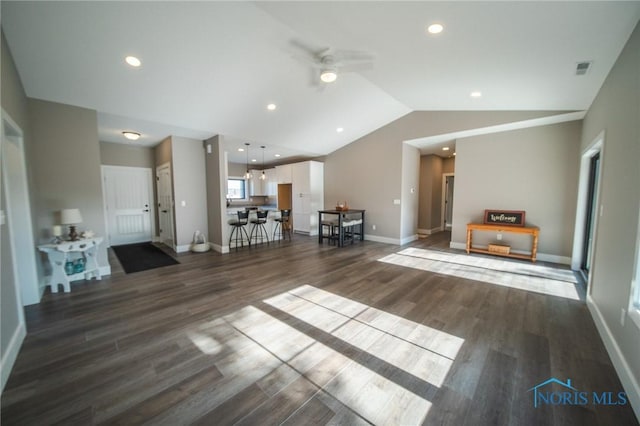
(382, 366)
(530, 277)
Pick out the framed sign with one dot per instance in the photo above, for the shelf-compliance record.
(504, 217)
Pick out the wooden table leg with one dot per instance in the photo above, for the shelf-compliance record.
(534, 247)
(468, 240)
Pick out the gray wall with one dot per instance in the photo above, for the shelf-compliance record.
(430, 192)
(535, 170)
(66, 168)
(616, 110)
(189, 188)
(410, 192)
(368, 172)
(117, 154)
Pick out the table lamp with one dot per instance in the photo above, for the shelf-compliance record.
(71, 217)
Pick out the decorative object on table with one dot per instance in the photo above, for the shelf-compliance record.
(504, 217)
(499, 249)
(342, 206)
(57, 234)
(68, 267)
(88, 234)
(71, 217)
(200, 244)
(78, 265)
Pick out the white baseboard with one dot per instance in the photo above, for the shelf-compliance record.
(219, 248)
(408, 239)
(182, 248)
(459, 246)
(563, 260)
(429, 231)
(629, 382)
(378, 239)
(11, 353)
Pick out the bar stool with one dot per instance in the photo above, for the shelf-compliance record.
(259, 228)
(284, 223)
(239, 227)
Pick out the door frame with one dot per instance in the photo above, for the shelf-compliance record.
(443, 204)
(172, 209)
(595, 147)
(10, 130)
(152, 202)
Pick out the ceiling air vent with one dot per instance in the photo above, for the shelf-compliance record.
(583, 67)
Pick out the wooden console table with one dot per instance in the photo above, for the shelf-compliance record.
(530, 230)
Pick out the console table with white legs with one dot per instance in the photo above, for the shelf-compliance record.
(59, 254)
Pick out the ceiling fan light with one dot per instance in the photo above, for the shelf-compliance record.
(328, 75)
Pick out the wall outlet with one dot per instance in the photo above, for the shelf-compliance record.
(499, 237)
(373, 227)
(183, 203)
(396, 201)
(623, 315)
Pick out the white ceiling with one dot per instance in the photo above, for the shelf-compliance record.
(212, 67)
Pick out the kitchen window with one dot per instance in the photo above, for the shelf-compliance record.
(236, 189)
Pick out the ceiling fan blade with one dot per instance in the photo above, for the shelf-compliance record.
(357, 67)
(308, 51)
(353, 56)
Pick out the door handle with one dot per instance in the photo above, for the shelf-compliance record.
(146, 211)
(164, 211)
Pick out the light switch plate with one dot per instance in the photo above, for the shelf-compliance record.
(396, 201)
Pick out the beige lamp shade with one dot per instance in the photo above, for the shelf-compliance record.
(70, 216)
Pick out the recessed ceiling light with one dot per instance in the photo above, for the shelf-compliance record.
(476, 94)
(253, 160)
(133, 61)
(446, 148)
(276, 155)
(134, 136)
(240, 149)
(271, 107)
(435, 28)
(339, 130)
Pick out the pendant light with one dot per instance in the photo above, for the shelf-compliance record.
(263, 176)
(248, 174)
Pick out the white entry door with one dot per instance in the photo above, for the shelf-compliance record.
(128, 199)
(165, 204)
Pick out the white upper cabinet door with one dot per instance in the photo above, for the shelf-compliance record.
(284, 173)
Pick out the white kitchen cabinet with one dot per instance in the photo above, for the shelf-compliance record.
(270, 185)
(256, 186)
(283, 173)
(308, 195)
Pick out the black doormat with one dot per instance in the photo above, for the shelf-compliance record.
(141, 257)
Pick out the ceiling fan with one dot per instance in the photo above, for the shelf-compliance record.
(328, 63)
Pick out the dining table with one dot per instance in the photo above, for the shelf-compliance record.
(342, 215)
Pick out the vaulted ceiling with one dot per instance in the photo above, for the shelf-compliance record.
(213, 67)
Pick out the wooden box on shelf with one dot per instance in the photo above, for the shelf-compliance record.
(499, 248)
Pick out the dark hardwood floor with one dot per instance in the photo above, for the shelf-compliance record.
(302, 333)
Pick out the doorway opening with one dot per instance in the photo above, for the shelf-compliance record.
(588, 210)
(448, 180)
(165, 205)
